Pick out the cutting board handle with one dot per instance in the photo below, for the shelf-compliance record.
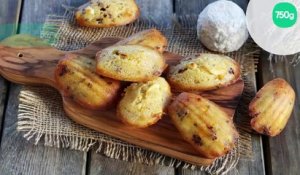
(34, 63)
(27, 60)
(29, 65)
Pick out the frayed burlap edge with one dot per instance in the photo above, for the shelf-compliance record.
(106, 145)
(117, 149)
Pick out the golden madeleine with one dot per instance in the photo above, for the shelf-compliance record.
(204, 72)
(107, 13)
(151, 38)
(133, 63)
(272, 106)
(203, 124)
(76, 76)
(143, 104)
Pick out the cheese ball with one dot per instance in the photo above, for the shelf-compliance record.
(221, 26)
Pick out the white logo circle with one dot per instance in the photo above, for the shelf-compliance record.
(265, 32)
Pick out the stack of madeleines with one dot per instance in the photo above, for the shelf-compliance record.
(97, 83)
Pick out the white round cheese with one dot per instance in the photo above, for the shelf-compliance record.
(222, 26)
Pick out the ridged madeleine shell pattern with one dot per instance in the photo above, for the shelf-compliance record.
(271, 107)
(203, 124)
(76, 76)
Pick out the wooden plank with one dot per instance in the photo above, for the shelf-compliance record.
(34, 27)
(18, 156)
(9, 12)
(32, 21)
(256, 165)
(183, 7)
(3, 96)
(103, 165)
(161, 12)
(283, 151)
(155, 138)
(245, 166)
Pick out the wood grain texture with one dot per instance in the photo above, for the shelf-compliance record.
(3, 96)
(18, 156)
(37, 62)
(245, 166)
(37, 66)
(34, 13)
(9, 17)
(103, 165)
(256, 165)
(39, 10)
(160, 11)
(182, 7)
(283, 151)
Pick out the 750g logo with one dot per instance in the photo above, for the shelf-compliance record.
(285, 15)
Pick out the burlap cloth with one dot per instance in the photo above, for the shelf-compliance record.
(42, 119)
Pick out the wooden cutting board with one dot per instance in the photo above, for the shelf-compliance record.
(28, 60)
